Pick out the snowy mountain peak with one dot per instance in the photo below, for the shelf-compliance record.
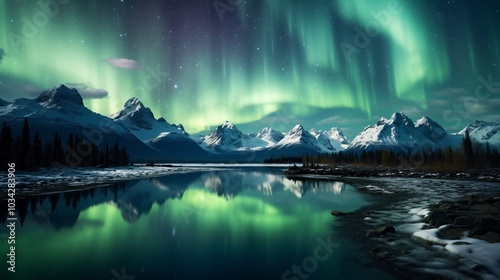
(483, 132)
(134, 101)
(337, 135)
(270, 135)
(135, 110)
(400, 119)
(431, 129)
(400, 133)
(331, 140)
(381, 121)
(3, 102)
(226, 137)
(59, 96)
(140, 120)
(297, 130)
(228, 124)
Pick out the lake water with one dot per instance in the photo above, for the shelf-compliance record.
(246, 223)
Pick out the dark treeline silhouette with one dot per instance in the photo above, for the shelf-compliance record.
(29, 204)
(468, 156)
(29, 153)
(282, 159)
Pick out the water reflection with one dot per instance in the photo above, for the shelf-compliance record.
(227, 224)
(136, 197)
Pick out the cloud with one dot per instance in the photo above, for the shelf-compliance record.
(87, 91)
(12, 88)
(2, 54)
(124, 63)
(340, 120)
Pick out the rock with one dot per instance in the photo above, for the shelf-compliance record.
(490, 236)
(451, 232)
(437, 218)
(372, 233)
(382, 255)
(490, 224)
(385, 230)
(380, 231)
(461, 243)
(477, 231)
(479, 268)
(375, 251)
(338, 213)
(465, 221)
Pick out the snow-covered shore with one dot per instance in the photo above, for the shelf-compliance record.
(418, 247)
(63, 179)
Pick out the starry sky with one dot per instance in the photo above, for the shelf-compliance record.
(321, 63)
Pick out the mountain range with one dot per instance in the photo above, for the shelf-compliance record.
(61, 109)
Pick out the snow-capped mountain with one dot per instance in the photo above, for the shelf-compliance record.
(3, 102)
(170, 139)
(333, 137)
(268, 142)
(227, 138)
(178, 147)
(61, 109)
(299, 141)
(401, 134)
(142, 123)
(483, 132)
(270, 135)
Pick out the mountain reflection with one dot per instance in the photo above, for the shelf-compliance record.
(136, 197)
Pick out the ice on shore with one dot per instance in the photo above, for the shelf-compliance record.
(47, 178)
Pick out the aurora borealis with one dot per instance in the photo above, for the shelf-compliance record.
(261, 63)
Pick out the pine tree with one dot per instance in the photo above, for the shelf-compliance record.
(468, 151)
(6, 145)
(24, 149)
(37, 149)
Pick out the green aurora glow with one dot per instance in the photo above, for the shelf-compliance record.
(264, 60)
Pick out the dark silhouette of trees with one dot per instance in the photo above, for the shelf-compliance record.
(468, 151)
(25, 148)
(6, 145)
(469, 155)
(77, 152)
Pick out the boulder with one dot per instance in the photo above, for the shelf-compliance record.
(452, 232)
(465, 221)
(380, 231)
(338, 213)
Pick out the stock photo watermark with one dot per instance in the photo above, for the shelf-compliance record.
(222, 7)
(11, 216)
(464, 109)
(372, 29)
(31, 25)
(310, 264)
(121, 276)
(151, 79)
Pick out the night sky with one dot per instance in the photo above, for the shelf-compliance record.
(257, 63)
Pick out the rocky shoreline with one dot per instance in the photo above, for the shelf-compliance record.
(474, 216)
(492, 175)
(459, 227)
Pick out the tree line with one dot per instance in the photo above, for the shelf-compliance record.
(468, 155)
(30, 153)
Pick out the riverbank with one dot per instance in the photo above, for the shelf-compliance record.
(47, 180)
(491, 175)
(408, 229)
